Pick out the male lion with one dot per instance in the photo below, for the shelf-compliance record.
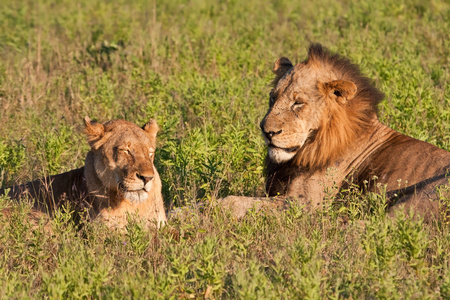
(118, 178)
(322, 132)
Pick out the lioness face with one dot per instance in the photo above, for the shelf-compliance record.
(299, 105)
(123, 157)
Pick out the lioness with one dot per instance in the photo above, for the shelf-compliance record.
(322, 132)
(118, 178)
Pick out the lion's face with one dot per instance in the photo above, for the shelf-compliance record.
(298, 106)
(123, 156)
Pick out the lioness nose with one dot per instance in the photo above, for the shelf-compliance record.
(145, 179)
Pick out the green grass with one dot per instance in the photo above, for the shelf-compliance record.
(203, 70)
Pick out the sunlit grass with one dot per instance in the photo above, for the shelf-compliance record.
(203, 70)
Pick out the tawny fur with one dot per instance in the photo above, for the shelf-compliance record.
(341, 122)
(118, 180)
(323, 132)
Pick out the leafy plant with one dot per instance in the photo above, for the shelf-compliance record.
(203, 70)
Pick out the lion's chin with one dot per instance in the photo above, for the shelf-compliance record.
(279, 155)
(136, 196)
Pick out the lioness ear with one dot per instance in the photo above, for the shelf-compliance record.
(93, 130)
(281, 67)
(152, 128)
(341, 90)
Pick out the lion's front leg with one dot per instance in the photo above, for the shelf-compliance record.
(240, 205)
(312, 189)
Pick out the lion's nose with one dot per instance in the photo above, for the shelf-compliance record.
(144, 178)
(271, 134)
(268, 134)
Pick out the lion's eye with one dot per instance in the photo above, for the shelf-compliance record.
(298, 104)
(125, 151)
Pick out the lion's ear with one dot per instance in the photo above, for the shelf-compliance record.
(341, 90)
(94, 131)
(151, 128)
(281, 67)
